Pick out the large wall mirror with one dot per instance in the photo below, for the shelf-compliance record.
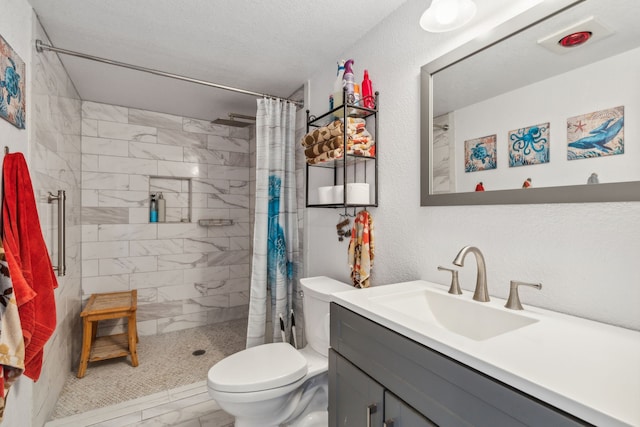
(515, 118)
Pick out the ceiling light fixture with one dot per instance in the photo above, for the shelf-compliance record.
(575, 39)
(567, 39)
(447, 15)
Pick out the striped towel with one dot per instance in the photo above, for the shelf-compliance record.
(11, 340)
(361, 250)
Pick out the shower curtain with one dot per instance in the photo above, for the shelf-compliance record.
(275, 240)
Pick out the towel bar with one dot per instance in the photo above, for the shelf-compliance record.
(61, 198)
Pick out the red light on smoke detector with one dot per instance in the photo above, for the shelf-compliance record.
(575, 39)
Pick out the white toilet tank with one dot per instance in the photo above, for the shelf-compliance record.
(317, 292)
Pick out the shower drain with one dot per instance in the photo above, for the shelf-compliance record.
(198, 352)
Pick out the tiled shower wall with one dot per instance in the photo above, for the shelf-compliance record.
(54, 129)
(186, 275)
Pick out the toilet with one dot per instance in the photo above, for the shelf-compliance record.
(274, 384)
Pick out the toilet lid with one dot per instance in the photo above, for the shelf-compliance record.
(258, 368)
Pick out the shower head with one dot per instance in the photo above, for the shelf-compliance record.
(232, 122)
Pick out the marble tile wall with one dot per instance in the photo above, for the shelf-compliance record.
(444, 180)
(54, 123)
(186, 275)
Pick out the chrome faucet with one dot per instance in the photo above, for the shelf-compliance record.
(514, 299)
(481, 293)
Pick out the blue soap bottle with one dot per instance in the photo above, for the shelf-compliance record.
(153, 208)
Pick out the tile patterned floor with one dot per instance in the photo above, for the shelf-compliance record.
(168, 388)
(187, 406)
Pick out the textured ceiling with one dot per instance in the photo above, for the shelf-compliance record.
(263, 46)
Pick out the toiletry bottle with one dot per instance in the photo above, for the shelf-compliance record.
(347, 80)
(162, 208)
(335, 99)
(153, 208)
(367, 91)
(356, 94)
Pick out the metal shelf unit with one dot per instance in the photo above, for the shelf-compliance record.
(350, 168)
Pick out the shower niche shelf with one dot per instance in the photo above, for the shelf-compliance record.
(178, 195)
(338, 183)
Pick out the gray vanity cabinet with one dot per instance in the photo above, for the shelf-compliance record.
(399, 414)
(358, 400)
(368, 362)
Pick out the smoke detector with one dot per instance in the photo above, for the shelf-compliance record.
(588, 30)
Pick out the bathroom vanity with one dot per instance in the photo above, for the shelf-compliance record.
(410, 354)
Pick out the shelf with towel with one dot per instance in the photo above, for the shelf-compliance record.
(342, 157)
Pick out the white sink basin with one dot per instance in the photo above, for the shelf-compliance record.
(585, 368)
(475, 320)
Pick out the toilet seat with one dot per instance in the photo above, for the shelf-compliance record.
(259, 368)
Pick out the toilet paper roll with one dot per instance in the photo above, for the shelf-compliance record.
(358, 193)
(338, 194)
(325, 195)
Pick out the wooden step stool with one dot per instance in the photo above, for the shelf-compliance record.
(114, 305)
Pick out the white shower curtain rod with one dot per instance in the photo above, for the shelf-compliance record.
(41, 47)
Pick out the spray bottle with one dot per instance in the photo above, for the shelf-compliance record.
(347, 80)
(367, 92)
(335, 99)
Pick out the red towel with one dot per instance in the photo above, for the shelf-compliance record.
(29, 265)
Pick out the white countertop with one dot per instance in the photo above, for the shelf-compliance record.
(588, 369)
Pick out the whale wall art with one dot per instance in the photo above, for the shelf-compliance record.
(12, 85)
(596, 134)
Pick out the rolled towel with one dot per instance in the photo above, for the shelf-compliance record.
(360, 141)
(367, 150)
(323, 133)
(329, 155)
(322, 147)
(356, 126)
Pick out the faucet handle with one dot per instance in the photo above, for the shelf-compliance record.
(513, 302)
(455, 284)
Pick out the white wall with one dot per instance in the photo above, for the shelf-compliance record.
(15, 27)
(602, 85)
(584, 254)
(51, 144)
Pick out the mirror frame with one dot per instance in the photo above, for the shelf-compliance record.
(605, 192)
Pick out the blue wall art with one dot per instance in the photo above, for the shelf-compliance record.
(12, 85)
(596, 134)
(480, 154)
(529, 146)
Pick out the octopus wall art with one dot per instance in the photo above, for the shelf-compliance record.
(529, 146)
(480, 154)
(596, 134)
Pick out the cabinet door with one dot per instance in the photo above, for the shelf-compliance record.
(399, 414)
(355, 400)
